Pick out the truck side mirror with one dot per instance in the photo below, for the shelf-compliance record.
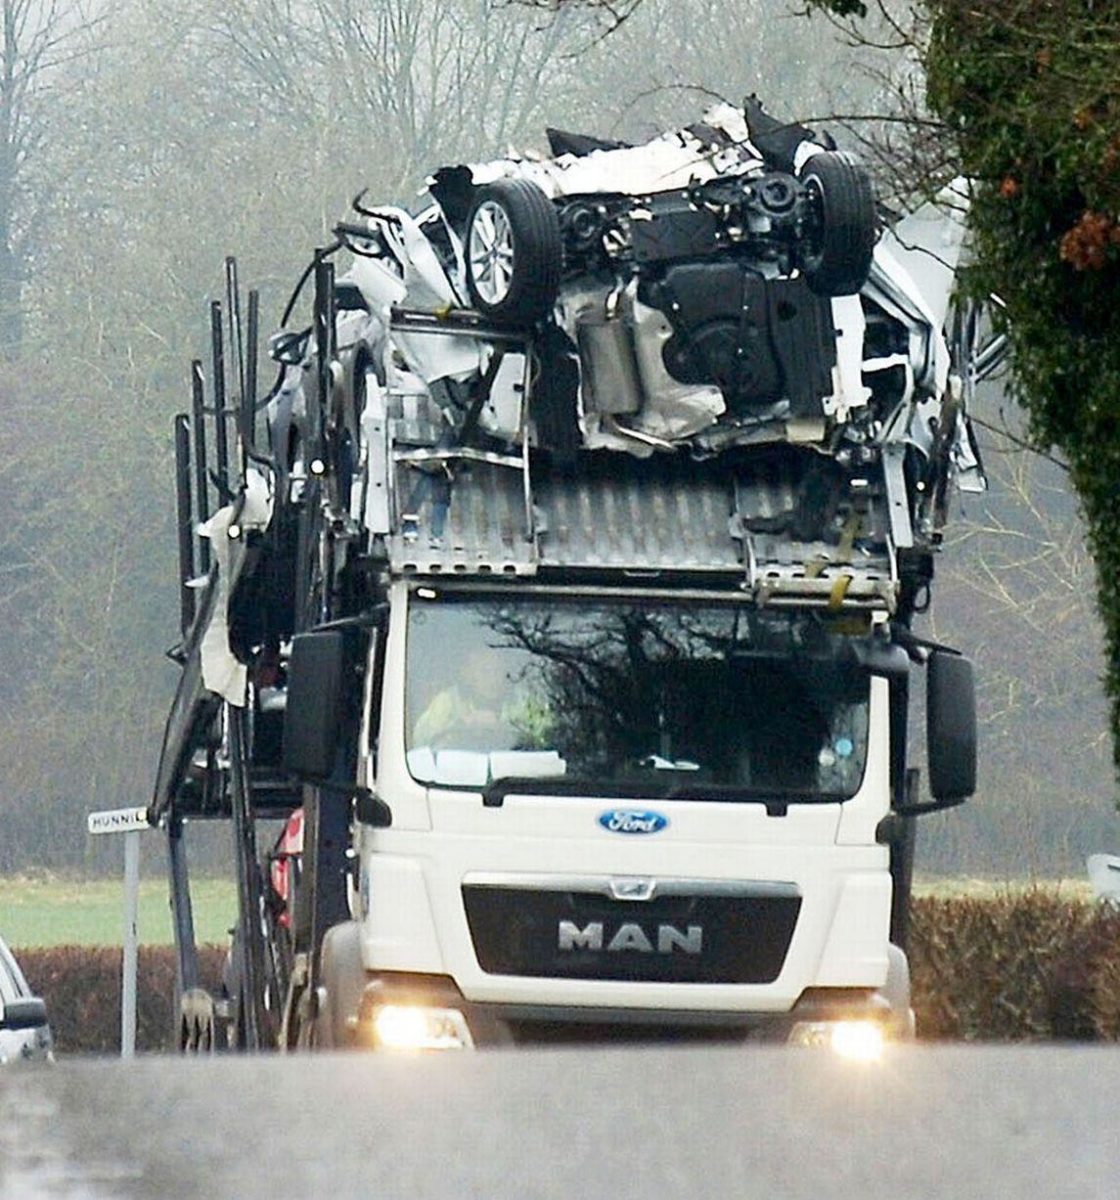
(314, 711)
(951, 727)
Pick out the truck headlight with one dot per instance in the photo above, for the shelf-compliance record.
(862, 1041)
(416, 1027)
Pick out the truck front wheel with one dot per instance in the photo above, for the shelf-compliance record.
(342, 979)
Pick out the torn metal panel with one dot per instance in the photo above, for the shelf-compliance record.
(671, 160)
(967, 467)
(891, 286)
(375, 501)
(222, 673)
(192, 714)
(413, 273)
(849, 391)
(929, 243)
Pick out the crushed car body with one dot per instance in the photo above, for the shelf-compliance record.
(701, 283)
(723, 287)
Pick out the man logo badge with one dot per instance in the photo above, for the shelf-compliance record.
(632, 820)
(630, 936)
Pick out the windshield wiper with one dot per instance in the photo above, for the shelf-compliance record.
(495, 792)
(777, 802)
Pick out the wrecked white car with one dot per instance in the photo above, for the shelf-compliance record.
(722, 285)
(725, 288)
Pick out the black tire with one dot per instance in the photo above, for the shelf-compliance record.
(344, 979)
(837, 258)
(533, 247)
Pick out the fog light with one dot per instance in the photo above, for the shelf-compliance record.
(859, 1040)
(411, 1027)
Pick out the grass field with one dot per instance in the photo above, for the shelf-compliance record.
(64, 912)
(954, 887)
(60, 912)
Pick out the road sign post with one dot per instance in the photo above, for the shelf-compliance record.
(130, 822)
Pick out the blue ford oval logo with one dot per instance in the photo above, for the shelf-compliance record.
(632, 820)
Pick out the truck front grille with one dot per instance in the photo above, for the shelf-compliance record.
(678, 938)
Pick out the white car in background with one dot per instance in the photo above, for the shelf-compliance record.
(25, 1034)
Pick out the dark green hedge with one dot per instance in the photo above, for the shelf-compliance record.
(82, 988)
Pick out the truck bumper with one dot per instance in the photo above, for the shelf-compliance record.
(812, 1018)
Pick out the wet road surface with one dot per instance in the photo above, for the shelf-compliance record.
(970, 1123)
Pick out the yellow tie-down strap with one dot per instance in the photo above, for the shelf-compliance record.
(838, 592)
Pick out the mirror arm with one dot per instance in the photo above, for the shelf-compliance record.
(921, 807)
(919, 648)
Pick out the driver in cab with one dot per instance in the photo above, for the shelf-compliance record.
(480, 711)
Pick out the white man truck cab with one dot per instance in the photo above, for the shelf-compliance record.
(682, 816)
(571, 602)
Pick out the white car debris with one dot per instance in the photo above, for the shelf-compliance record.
(723, 285)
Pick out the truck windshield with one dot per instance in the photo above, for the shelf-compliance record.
(628, 698)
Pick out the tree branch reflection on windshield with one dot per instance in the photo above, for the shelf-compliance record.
(661, 697)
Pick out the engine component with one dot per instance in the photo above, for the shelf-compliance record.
(759, 340)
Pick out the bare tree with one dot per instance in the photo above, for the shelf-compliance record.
(37, 39)
(419, 79)
(1016, 588)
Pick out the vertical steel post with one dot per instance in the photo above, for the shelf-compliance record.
(237, 356)
(183, 515)
(221, 436)
(249, 400)
(202, 495)
(128, 960)
(322, 891)
(902, 845)
(321, 900)
(324, 352)
(250, 935)
(182, 914)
